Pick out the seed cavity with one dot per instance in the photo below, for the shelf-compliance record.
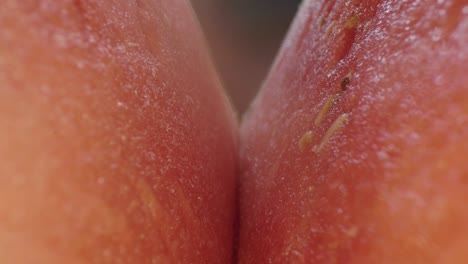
(325, 109)
(344, 83)
(336, 126)
(306, 140)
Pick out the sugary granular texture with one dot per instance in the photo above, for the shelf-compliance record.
(117, 144)
(390, 185)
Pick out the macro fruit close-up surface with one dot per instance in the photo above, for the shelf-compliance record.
(117, 143)
(355, 149)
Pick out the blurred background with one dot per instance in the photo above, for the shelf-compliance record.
(244, 37)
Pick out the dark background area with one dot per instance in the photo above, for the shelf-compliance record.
(244, 37)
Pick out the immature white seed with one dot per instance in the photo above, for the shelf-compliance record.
(352, 231)
(352, 22)
(325, 109)
(337, 125)
(305, 140)
(132, 44)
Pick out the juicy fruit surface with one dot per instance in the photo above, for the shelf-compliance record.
(354, 150)
(117, 144)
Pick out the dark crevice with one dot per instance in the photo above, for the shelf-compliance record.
(359, 13)
(346, 39)
(82, 7)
